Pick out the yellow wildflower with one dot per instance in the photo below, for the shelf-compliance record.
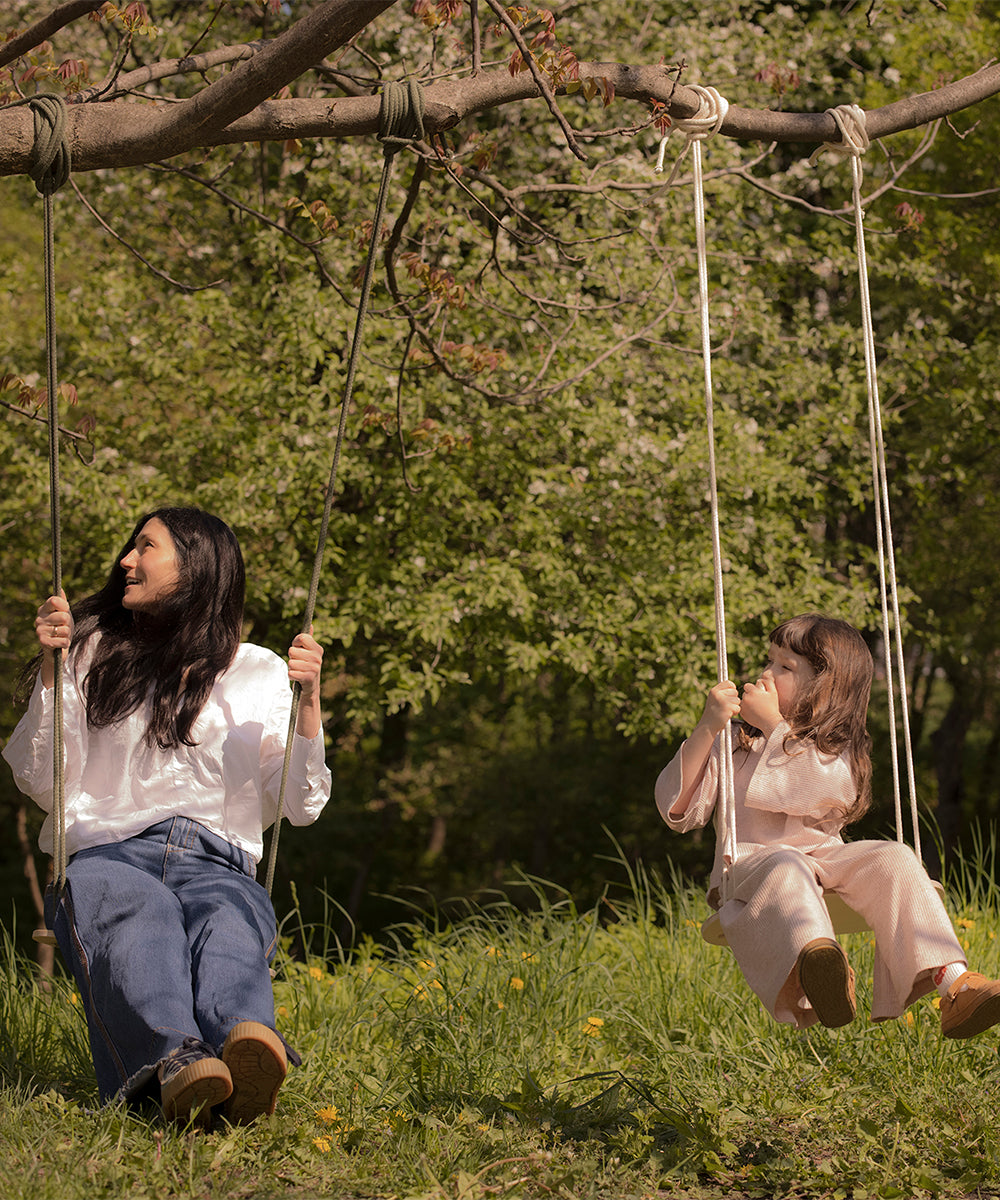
(491, 952)
(328, 1114)
(592, 1026)
(323, 1144)
(500, 1004)
(908, 1017)
(965, 923)
(527, 955)
(74, 999)
(282, 1011)
(426, 964)
(316, 973)
(516, 983)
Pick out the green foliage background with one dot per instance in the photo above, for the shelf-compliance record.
(519, 623)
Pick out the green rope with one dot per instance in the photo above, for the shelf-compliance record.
(50, 169)
(401, 122)
(51, 157)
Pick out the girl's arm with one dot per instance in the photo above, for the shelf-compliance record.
(722, 704)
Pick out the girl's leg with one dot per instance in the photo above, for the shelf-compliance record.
(775, 914)
(885, 884)
(914, 938)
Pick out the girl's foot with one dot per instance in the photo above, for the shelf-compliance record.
(971, 1005)
(256, 1059)
(828, 982)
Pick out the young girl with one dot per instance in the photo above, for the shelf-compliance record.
(801, 772)
(174, 738)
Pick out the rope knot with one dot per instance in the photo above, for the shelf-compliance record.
(400, 115)
(852, 123)
(51, 156)
(707, 121)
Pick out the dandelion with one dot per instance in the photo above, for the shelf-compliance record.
(74, 999)
(421, 992)
(501, 1005)
(436, 983)
(516, 983)
(426, 964)
(328, 1114)
(282, 1011)
(491, 952)
(316, 973)
(528, 955)
(908, 1017)
(323, 1144)
(592, 1026)
(936, 1002)
(965, 923)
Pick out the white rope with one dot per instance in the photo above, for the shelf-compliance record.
(851, 123)
(706, 122)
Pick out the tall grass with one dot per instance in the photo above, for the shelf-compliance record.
(535, 1050)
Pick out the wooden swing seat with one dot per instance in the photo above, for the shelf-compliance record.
(843, 918)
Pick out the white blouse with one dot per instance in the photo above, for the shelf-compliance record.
(116, 785)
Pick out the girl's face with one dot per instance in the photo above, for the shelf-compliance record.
(789, 672)
(151, 567)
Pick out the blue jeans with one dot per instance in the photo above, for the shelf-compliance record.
(169, 937)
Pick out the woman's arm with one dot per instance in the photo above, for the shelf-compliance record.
(54, 629)
(305, 660)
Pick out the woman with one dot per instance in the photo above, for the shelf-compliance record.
(174, 738)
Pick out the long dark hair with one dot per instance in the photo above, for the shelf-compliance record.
(831, 709)
(171, 656)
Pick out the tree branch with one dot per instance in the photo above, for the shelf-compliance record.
(126, 133)
(42, 30)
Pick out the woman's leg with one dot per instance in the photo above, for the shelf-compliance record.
(122, 933)
(231, 930)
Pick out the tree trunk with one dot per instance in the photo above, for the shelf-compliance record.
(948, 743)
(45, 954)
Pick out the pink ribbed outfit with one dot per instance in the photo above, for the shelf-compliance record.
(790, 810)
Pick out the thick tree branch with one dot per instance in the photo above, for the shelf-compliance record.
(126, 133)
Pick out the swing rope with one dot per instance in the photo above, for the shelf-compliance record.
(706, 122)
(851, 122)
(50, 169)
(401, 123)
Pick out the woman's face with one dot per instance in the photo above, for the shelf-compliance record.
(151, 567)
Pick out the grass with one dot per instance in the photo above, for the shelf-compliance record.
(567, 1054)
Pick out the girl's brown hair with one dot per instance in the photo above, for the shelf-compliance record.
(832, 708)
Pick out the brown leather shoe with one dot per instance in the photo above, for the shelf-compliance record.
(256, 1058)
(192, 1081)
(964, 1013)
(828, 982)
